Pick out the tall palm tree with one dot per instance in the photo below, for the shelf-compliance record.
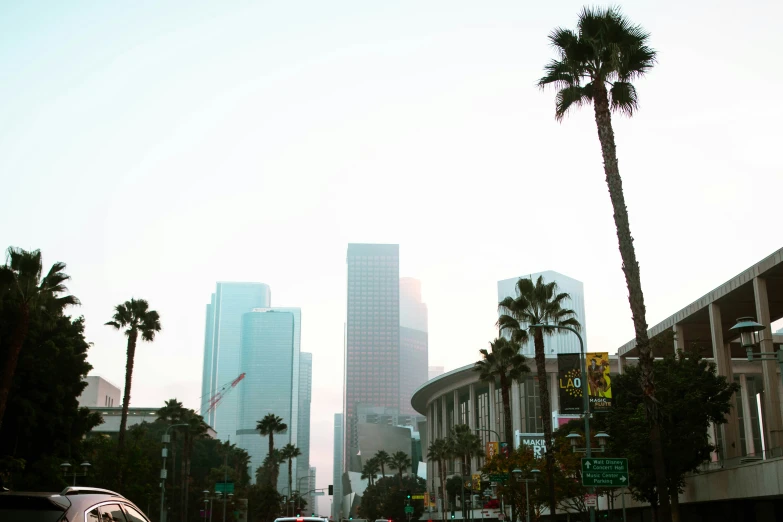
(271, 466)
(438, 453)
(289, 453)
(384, 459)
(134, 317)
(538, 303)
(597, 63)
(20, 279)
(400, 461)
(268, 427)
(464, 444)
(504, 364)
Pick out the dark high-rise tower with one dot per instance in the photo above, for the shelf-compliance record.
(372, 344)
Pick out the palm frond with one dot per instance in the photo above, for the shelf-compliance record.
(624, 97)
(559, 74)
(568, 97)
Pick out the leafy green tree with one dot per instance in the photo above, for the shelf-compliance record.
(538, 303)
(454, 488)
(270, 425)
(597, 63)
(44, 424)
(386, 500)
(289, 453)
(28, 294)
(691, 396)
(264, 503)
(438, 453)
(384, 459)
(400, 462)
(134, 317)
(503, 364)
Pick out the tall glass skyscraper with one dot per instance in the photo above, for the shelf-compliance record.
(222, 349)
(303, 433)
(270, 357)
(372, 344)
(414, 359)
(563, 341)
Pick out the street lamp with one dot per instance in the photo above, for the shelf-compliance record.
(65, 466)
(750, 337)
(574, 439)
(164, 452)
(518, 476)
(585, 398)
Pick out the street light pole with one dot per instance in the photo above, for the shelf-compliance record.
(585, 398)
(163, 472)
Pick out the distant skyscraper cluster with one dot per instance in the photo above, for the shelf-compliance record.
(386, 358)
(245, 334)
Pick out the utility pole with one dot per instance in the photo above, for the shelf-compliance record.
(225, 477)
(163, 472)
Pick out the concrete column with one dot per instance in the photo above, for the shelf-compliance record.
(492, 412)
(444, 431)
(747, 418)
(620, 365)
(712, 437)
(720, 352)
(773, 427)
(472, 408)
(679, 337)
(554, 394)
(516, 409)
(457, 419)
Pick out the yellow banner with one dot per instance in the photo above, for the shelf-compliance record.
(599, 382)
(492, 449)
(477, 481)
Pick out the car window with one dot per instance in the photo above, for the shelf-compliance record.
(93, 516)
(133, 515)
(112, 513)
(15, 508)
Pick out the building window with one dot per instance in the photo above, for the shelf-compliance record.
(535, 423)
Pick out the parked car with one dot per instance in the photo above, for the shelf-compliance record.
(73, 504)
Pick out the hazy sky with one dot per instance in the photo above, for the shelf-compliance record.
(157, 147)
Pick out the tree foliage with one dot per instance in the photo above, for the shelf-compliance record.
(386, 498)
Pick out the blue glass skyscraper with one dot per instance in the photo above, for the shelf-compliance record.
(222, 349)
(270, 358)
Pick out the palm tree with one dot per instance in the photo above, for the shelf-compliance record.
(20, 279)
(172, 412)
(290, 452)
(503, 363)
(400, 461)
(270, 466)
(370, 470)
(267, 427)
(134, 316)
(196, 429)
(538, 303)
(384, 459)
(464, 444)
(438, 452)
(597, 63)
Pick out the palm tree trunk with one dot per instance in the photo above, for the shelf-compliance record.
(272, 474)
(126, 397)
(15, 348)
(443, 502)
(186, 476)
(290, 491)
(546, 416)
(508, 428)
(603, 120)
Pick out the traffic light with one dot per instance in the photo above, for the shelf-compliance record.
(452, 515)
(408, 494)
(331, 489)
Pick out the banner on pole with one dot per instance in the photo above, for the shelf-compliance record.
(492, 449)
(570, 383)
(599, 383)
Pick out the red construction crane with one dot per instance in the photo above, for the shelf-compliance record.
(222, 392)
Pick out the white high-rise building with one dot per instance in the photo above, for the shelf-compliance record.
(563, 341)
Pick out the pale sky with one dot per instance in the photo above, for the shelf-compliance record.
(158, 147)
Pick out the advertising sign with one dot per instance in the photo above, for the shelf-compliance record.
(492, 449)
(534, 441)
(570, 383)
(476, 481)
(599, 383)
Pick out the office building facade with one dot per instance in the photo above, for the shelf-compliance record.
(270, 358)
(337, 470)
(414, 358)
(560, 342)
(372, 344)
(303, 427)
(222, 349)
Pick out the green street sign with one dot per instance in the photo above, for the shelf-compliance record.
(605, 473)
(409, 509)
(498, 477)
(224, 487)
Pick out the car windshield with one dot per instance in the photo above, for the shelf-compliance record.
(14, 508)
